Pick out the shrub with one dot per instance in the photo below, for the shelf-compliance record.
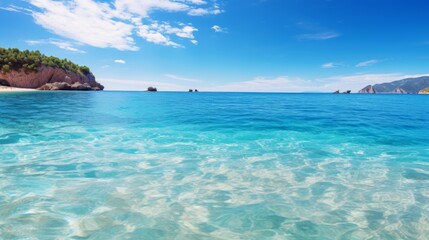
(14, 59)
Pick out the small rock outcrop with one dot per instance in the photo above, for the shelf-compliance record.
(152, 89)
(190, 90)
(336, 92)
(367, 89)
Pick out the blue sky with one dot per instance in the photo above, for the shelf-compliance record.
(227, 45)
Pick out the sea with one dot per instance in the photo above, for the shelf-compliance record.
(179, 165)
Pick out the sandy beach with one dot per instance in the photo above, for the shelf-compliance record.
(13, 89)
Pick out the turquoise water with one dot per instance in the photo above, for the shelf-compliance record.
(137, 165)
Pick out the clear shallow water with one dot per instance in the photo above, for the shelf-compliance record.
(122, 165)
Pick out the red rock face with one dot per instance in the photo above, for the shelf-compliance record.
(44, 75)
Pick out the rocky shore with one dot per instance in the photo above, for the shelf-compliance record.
(49, 78)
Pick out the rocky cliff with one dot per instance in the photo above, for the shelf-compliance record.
(367, 89)
(424, 91)
(404, 86)
(32, 69)
(46, 75)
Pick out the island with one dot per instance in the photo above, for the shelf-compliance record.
(405, 86)
(34, 70)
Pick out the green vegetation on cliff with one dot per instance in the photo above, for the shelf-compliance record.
(14, 59)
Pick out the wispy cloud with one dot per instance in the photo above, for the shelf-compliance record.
(118, 24)
(59, 43)
(215, 10)
(368, 63)
(331, 65)
(10, 9)
(319, 36)
(13, 8)
(120, 61)
(218, 29)
(175, 77)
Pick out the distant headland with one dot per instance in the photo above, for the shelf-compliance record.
(418, 85)
(33, 70)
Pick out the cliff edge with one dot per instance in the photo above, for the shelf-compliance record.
(31, 69)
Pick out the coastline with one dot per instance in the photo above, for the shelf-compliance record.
(14, 89)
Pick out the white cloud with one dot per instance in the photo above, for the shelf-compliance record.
(115, 25)
(368, 63)
(120, 61)
(142, 8)
(85, 21)
(10, 9)
(198, 2)
(195, 42)
(204, 11)
(319, 36)
(329, 65)
(198, 12)
(217, 28)
(154, 36)
(59, 43)
(186, 31)
(13, 8)
(158, 33)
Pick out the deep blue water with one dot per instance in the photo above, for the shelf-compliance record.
(138, 165)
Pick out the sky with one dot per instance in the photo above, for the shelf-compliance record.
(227, 45)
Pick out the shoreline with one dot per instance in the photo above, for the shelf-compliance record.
(14, 89)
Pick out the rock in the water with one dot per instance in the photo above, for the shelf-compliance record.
(190, 90)
(367, 89)
(196, 90)
(152, 89)
(336, 92)
(347, 92)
